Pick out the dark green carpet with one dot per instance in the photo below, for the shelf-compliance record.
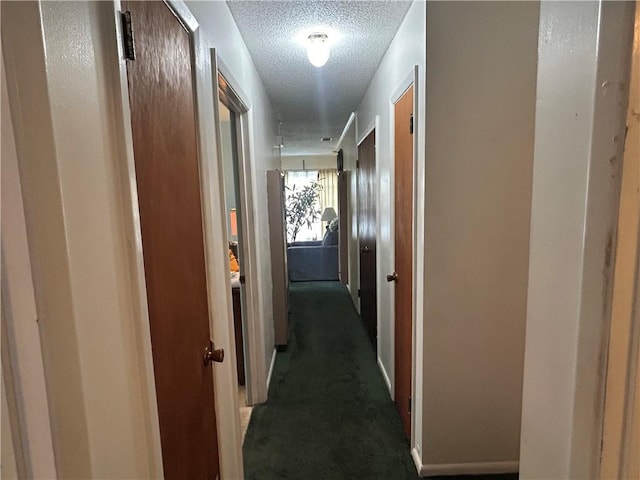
(329, 414)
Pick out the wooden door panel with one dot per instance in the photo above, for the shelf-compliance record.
(161, 96)
(403, 256)
(367, 234)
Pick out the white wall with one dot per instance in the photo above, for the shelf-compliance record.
(584, 52)
(309, 162)
(406, 50)
(220, 32)
(481, 78)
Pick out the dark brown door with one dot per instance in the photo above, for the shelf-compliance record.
(403, 274)
(367, 234)
(161, 95)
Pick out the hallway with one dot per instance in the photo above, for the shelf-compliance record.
(329, 414)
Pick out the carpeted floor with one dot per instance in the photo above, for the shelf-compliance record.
(329, 414)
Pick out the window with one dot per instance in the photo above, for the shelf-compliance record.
(328, 197)
(295, 181)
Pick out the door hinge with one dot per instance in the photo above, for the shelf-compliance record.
(127, 37)
(357, 164)
(409, 403)
(411, 124)
(358, 293)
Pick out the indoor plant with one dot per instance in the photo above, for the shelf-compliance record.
(302, 208)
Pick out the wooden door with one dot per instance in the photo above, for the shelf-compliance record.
(161, 95)
(367, 234)
(403, 275)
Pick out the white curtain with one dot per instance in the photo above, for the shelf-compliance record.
(328, 178)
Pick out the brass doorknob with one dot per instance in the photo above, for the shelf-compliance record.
(212, 354)
(365, 249)
(393, 277)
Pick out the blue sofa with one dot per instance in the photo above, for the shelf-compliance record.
(313, 261)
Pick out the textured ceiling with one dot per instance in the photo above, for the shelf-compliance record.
(316, 102)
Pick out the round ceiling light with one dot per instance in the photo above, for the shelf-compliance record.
(318, 49)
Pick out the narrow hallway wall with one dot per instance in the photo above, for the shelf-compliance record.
(481, 86)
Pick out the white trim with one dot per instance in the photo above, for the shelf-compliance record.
(252, 327)
(419, 116)
(352, 117)
(271, 367)
(403, 86)
(183, 13)
(23, 357)
(370, 128)
(385, 377)
(232, 82)
(417, 366)
(220, 304)
(417, 460)
(471, 468)
(416, 345)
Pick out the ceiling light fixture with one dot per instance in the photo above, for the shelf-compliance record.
(318, 49)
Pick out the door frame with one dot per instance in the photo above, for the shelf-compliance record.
(216, 259)
(23, 363)
(411, 79)
(253, 330)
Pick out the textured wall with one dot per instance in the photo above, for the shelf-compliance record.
(481, 84)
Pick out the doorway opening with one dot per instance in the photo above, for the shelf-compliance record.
(232, 123)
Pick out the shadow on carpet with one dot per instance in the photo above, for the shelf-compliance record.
(329, 414)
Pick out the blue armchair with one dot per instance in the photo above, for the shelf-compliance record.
(314, 261)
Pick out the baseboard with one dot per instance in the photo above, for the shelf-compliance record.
(273, 363)
(472, 468)
(417, 461)
(385, 376)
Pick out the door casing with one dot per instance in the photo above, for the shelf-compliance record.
(413, 79)
(403, 316)
(227, 90)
